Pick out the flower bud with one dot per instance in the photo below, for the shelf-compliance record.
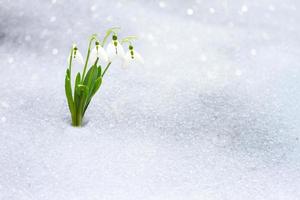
(132, 54)
(115, 43)
(75, 50)
(114, 37)
(130, 47)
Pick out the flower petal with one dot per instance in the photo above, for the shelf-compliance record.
(93, 55)
(120, 50)
(111, 51)
(102, 54)
(138, 57)
(114, 52)
(79, 57)
(126, 60)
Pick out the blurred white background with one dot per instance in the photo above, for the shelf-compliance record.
(212, 114)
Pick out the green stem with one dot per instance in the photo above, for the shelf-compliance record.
(73, 112)
(108, 32)
(104, 39)
(79, 119)
(70, 62)
(106, 69)
(74, 120)
(87, 57)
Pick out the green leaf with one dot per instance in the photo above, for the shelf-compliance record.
(76, 91)
(68, 73)
(99, 71)
(97, 85)
(68, 91)
(77, 82)
(91, 75)
(91, 79)
(83, 89)
(86, 106)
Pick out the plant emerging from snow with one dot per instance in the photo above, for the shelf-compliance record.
(87, 83)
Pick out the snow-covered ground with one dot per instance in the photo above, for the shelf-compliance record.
(214, 114)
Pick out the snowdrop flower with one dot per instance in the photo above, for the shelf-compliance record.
(83, 80)
(98, 52)
(76, 55)
(132, 56)
(114, 49)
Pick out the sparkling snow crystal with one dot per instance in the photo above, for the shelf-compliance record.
(214, 113)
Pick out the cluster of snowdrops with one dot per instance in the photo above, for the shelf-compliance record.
(87, 83)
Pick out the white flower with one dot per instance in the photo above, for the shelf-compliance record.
(114, 51)
(132, 56)
(77, 64)
(98, 52)
(77, 56)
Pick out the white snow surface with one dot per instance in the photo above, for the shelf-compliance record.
(213, 114)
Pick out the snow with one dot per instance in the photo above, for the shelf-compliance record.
(212, 114)
(189, 11)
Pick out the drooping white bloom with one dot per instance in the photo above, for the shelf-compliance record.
(76, 56)
(76, 65)
(79, 57)
(132, 56)
(137, 56)
(114, 50)
(98, 52)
